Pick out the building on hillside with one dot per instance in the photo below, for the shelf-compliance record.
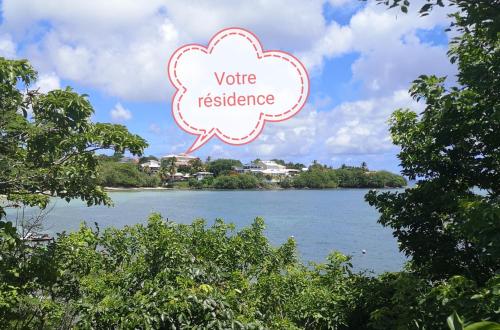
(151, 166)
(180, 159)
(292, 171)
(272, 166)
(249, 168)
(202, 175)
(177, 176)
(273, 171)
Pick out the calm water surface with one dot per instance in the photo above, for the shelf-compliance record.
(320, 220)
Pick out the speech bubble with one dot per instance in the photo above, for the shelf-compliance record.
(232, 87)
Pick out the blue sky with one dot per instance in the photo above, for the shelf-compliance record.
(360, 57)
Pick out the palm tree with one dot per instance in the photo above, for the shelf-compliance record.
(168, 168)
(196, 165)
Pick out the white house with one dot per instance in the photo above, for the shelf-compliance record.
(292, 171)
(249, 168)
(180, 159)
(269, 168)
(178, 176)
(202, 175)
(152, 166)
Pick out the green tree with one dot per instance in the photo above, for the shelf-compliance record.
(47, 149)
(319, 177)
(449, 223)
(297, 166)
(222, 166)
(163, 275)
(117, 156)
(145, 159)
(48, 143)
(279, 161)
(196, 165)
(238, 181)
(113, 174)
(168, 168)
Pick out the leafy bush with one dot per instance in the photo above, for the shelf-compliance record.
(195, 184)
(315, 179)
(381, 179)
(222, 166)
(239, 181)
(168, 275)
(162, 275)
(114, 174)
(319, 177)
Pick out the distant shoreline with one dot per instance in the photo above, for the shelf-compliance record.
(136, 188)
(132, 189)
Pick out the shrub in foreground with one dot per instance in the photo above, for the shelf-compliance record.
(175, 276)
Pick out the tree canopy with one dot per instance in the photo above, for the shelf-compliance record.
(222, 166)
(48, 143)
(450, 222)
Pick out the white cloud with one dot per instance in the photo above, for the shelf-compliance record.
(361, 127)
(390, 53)
(48, 82)
(336, 41)
(122, 47)
(119, 113)
(281, 24)
(349, 129)
(386, 69)
(132, 68)
(7, 46)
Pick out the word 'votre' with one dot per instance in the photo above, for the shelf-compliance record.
(233, 99)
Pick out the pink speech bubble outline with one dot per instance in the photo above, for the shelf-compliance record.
(203, 135)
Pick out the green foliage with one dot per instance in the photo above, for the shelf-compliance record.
(406, 301)
(222, 166)
(315, 178)
(296, 166)
(318, 177)
(195, 184)
(48, 143)
(200, 184)
(47, 148)
(196, 165)
(145, 159)
(113, 174)
(450, 222)
(455, 323)
(166, 275)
